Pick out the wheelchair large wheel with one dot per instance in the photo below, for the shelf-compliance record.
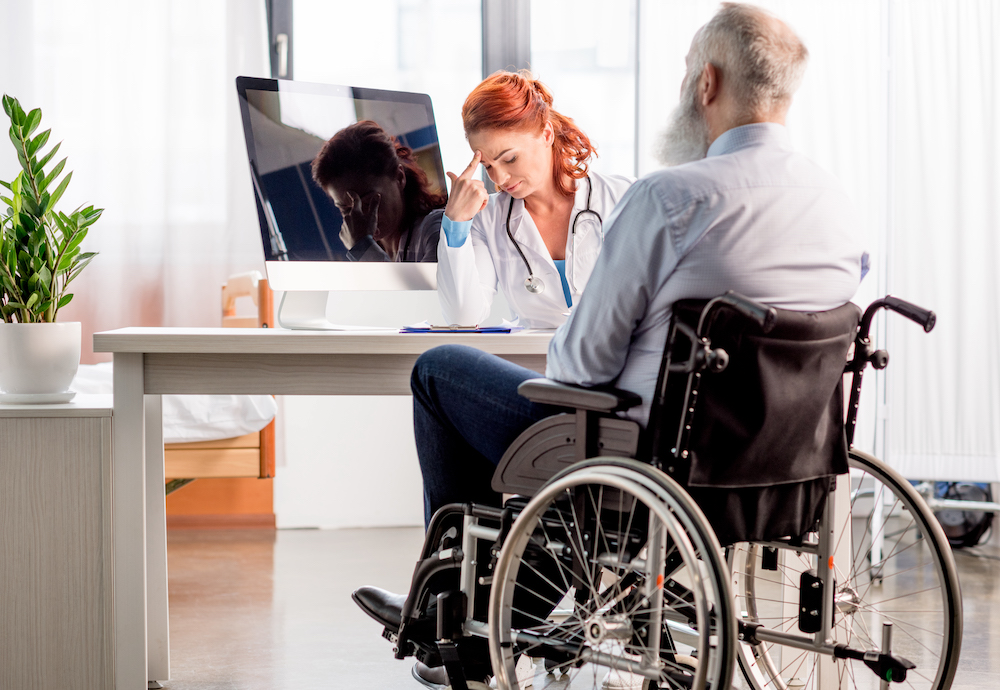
(612, 568)
(902, 571)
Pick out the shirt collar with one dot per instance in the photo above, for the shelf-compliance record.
(756, 134)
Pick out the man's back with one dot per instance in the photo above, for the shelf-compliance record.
(754, 216)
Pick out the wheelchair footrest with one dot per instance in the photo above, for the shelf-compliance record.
(887, 667)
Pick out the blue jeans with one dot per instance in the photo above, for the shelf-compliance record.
(466, 411)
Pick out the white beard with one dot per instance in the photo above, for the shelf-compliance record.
(685, 137)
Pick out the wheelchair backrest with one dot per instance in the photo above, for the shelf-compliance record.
(770, 427)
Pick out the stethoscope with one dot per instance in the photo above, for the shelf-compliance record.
(533, 283)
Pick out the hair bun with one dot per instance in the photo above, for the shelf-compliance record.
(543, 91)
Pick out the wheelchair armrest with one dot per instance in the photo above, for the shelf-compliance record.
(596, 399)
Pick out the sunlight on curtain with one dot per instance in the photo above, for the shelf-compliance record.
(584, 52)
(945, 411)
(426, 46)
(142, 94)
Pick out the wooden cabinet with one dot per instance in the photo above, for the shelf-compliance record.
(56, 569)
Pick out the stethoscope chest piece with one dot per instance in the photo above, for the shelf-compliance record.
(534, 284)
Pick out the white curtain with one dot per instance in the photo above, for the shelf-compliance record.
(142, 94)
(944, 387)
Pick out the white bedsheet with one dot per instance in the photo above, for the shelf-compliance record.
(189, 418)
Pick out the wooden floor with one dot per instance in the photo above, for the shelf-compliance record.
(266, 610)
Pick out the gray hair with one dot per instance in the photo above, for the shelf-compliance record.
(763, 55)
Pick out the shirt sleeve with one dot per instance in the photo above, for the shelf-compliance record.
(456, 231)
(366, 249)
(467, 278)
(592, 346)
(425, 241)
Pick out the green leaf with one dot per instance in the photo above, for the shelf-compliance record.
(64, 300)
(52, 175)
(66, 262)
(33, 300)
(17, 115)
(91, 219)
(15, 139)
(75, 241)
(6, 184)
(30, 205)
(31, 122)
(56, 195)
(27, 220)
(38, 142)
(8, 105)
(44, 161)
(80, 266)
(59, 219)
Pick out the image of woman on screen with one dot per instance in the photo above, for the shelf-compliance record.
(538, 237)
(390, 212)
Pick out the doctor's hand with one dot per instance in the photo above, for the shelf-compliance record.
(360, 220)
(468, 196)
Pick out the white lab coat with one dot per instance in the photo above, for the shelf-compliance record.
(468, 276)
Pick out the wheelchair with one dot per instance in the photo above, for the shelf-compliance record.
(738, 528)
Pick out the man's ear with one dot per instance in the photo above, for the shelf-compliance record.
(708, 84)
(401, 177)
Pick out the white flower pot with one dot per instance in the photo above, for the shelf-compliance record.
(38, 358)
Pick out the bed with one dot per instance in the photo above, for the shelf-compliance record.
(227, 441)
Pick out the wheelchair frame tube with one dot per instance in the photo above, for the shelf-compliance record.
(471, 532)
(654, 586)
(826, 570)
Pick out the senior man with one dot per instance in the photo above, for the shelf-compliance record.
(737, 210)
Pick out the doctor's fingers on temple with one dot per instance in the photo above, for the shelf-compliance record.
(468, 197)
(477, 158)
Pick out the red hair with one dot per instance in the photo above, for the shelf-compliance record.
(516, 101)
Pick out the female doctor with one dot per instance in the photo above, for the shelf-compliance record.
(538, 237)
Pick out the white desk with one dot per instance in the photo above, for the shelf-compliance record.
(153, 361)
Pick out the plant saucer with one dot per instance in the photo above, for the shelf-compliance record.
(36, 398)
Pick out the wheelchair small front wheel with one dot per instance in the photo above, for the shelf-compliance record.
(612, 569)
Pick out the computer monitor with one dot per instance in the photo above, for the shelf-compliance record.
(286, 123)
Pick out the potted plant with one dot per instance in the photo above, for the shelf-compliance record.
(40, 255)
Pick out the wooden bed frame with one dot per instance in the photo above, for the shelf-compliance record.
(234, 487)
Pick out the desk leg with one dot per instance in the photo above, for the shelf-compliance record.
(157, 611)
(129, 523)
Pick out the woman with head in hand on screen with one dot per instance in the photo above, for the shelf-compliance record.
(390, 211)
(538, 237)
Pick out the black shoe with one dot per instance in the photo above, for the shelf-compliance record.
(383, 606)
(435, 677)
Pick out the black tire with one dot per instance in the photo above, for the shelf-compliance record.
(612, 616)
(914, 585)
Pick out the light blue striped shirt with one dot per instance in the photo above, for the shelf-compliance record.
(753, 216)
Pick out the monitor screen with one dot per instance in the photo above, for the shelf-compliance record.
(286, 125)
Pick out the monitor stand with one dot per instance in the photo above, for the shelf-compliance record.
(306, 311)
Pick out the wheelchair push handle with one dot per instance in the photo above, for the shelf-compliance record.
(761, 314)
(925, 317)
